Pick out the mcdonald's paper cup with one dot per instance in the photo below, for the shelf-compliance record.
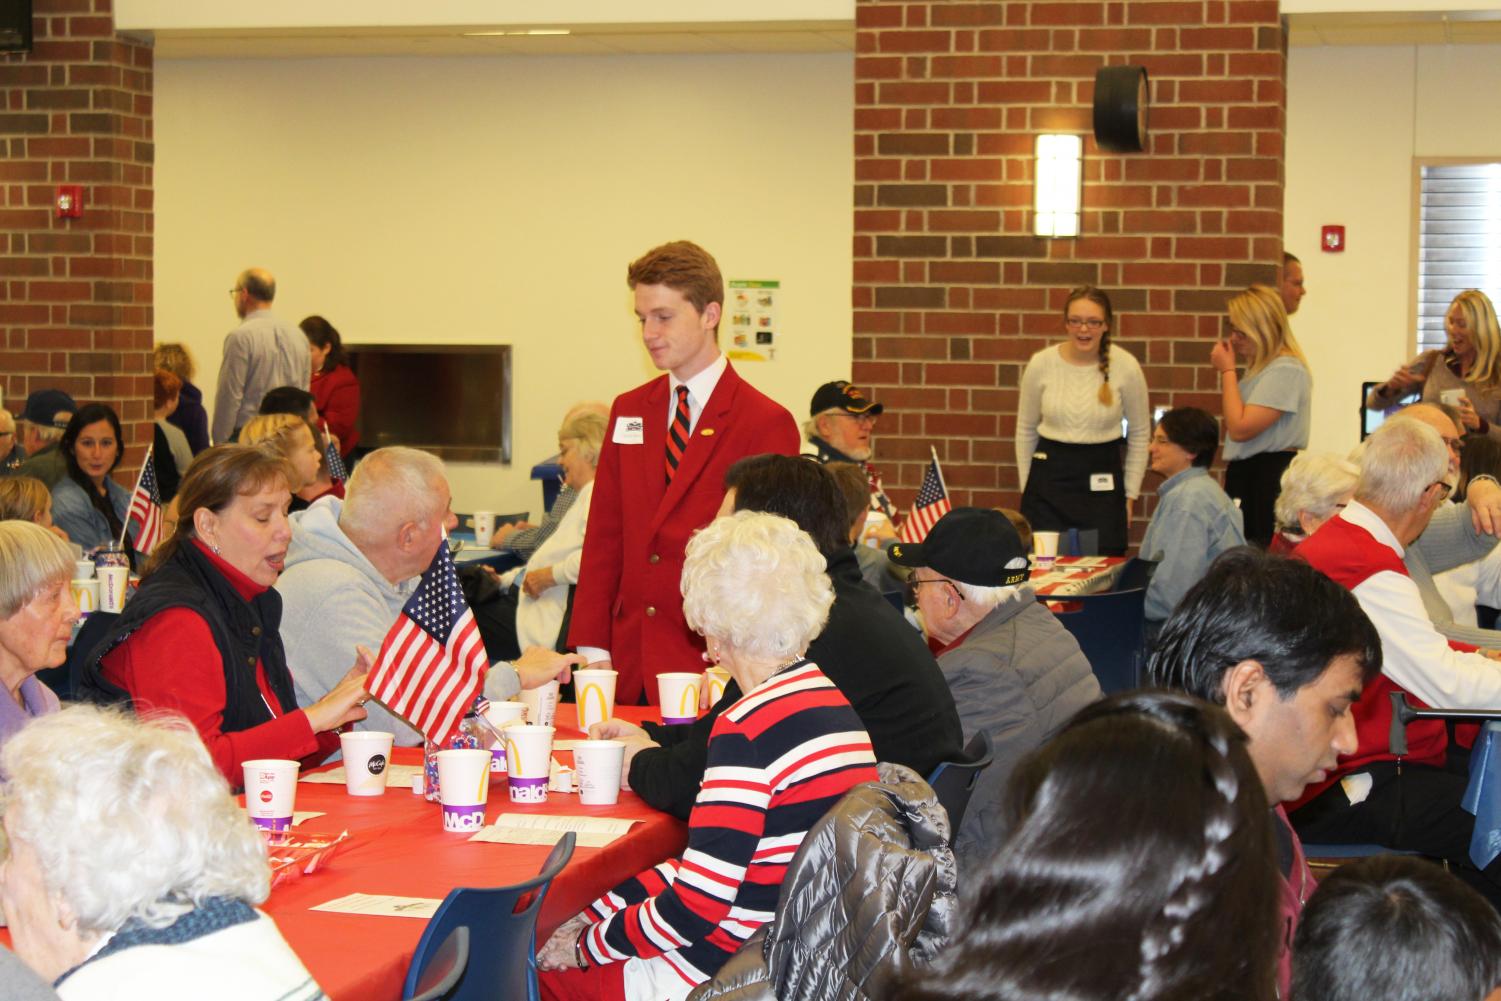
(86, 594)
(595, 691)
(270, 792)
(541, 703)
(678, 694)
(83, 569)
(529, 760)
(484, 528)
(366, 754)
(113, 582)
(463, 787)
(1045, 548)
(598, 764)
(716, 678)
(501, 715)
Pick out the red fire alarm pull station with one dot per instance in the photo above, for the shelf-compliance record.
(70, 201)
(1334, 239)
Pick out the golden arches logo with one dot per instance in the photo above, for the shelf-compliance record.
(513, 759)
(688, 701)
(597, 690)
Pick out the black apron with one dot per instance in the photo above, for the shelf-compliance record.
(1058, 495)
(1255, 482)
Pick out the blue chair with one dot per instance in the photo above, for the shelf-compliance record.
(1136, 573)
(1108, 627)
(954, 781)
(505, 920)
(444, 968)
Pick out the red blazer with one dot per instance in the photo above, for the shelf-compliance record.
(337, 394)
(628, 600)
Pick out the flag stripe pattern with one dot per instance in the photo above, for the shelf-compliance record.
(677, 434)
(778, 760)
(931, 503)
(432, 663)
(145, 511)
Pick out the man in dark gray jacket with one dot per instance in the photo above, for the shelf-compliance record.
(1013, 669)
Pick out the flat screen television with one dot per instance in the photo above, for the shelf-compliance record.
(1372, 417)
(453, 400)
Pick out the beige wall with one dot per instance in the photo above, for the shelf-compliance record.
(1357, 118)
(499, 201)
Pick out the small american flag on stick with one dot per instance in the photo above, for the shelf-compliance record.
(930, 504)
(432, 663)
(145, 511)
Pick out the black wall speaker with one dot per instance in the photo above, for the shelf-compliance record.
(15, 25)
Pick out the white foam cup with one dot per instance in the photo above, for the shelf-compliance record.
(113, 582)
(463, 787)
(501, 715)
(716, 678)
(529, 761)
(270, 792)
(83, 569)
(541, 703)
(678, 695)
(598, 763)
(484, 528)
(367, 753)
(1045, 548)
(594, 690)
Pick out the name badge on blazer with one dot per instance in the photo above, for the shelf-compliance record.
(628, 430)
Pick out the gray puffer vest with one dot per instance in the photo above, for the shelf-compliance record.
(869, 895)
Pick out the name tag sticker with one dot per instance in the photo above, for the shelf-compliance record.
(1101, 481)
(628, 430)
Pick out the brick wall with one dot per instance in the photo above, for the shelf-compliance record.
(952, 294)
(75, 294)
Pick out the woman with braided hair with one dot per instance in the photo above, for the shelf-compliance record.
(1074, 397)
(1140, 867)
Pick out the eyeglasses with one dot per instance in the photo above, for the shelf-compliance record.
(857, 418)
(1444, 489)
(236, 291)
(911, 584)
(1456, 445)
(4, 433)
(1080, 322)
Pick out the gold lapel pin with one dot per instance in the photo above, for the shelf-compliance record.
(706, 432)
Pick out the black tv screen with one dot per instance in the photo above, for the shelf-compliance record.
(453, 400)
(1371, 418)
(15, 25)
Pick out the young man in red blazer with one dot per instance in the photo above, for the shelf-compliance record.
(661, 474)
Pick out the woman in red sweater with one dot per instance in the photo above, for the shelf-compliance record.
(202, 635)
(335, 386)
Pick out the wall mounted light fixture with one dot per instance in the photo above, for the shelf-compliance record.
(1059, 181)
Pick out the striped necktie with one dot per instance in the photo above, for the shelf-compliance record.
(677, 434)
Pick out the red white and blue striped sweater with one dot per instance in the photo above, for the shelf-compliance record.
(779, 759)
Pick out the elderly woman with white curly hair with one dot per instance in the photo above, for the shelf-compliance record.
(1315, 487)
(131, 872)
(754, 585)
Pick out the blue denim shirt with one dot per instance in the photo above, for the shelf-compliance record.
(1194, 523)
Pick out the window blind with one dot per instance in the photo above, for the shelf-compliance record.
(1459, 241)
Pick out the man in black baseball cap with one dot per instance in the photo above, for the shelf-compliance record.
(1013, 669)
(839, 427)
(43, 421)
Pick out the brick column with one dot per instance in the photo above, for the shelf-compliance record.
(952, 294)
(75, 294)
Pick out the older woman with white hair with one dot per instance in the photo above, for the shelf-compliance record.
(529, 610)
(37, 612)
(132, 873)
(754, 586)
(1315, 487)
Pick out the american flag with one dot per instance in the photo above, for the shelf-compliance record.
(931, 503)
(334, 460)
(432, 663)
(145, 513)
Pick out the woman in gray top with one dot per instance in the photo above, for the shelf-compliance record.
(1267, 413)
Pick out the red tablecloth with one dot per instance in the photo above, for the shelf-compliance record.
(1078, 575)
(398, 846)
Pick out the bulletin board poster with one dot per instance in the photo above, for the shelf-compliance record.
(752, 312)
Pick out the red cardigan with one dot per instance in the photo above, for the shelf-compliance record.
(337, 394)
(171, 663)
